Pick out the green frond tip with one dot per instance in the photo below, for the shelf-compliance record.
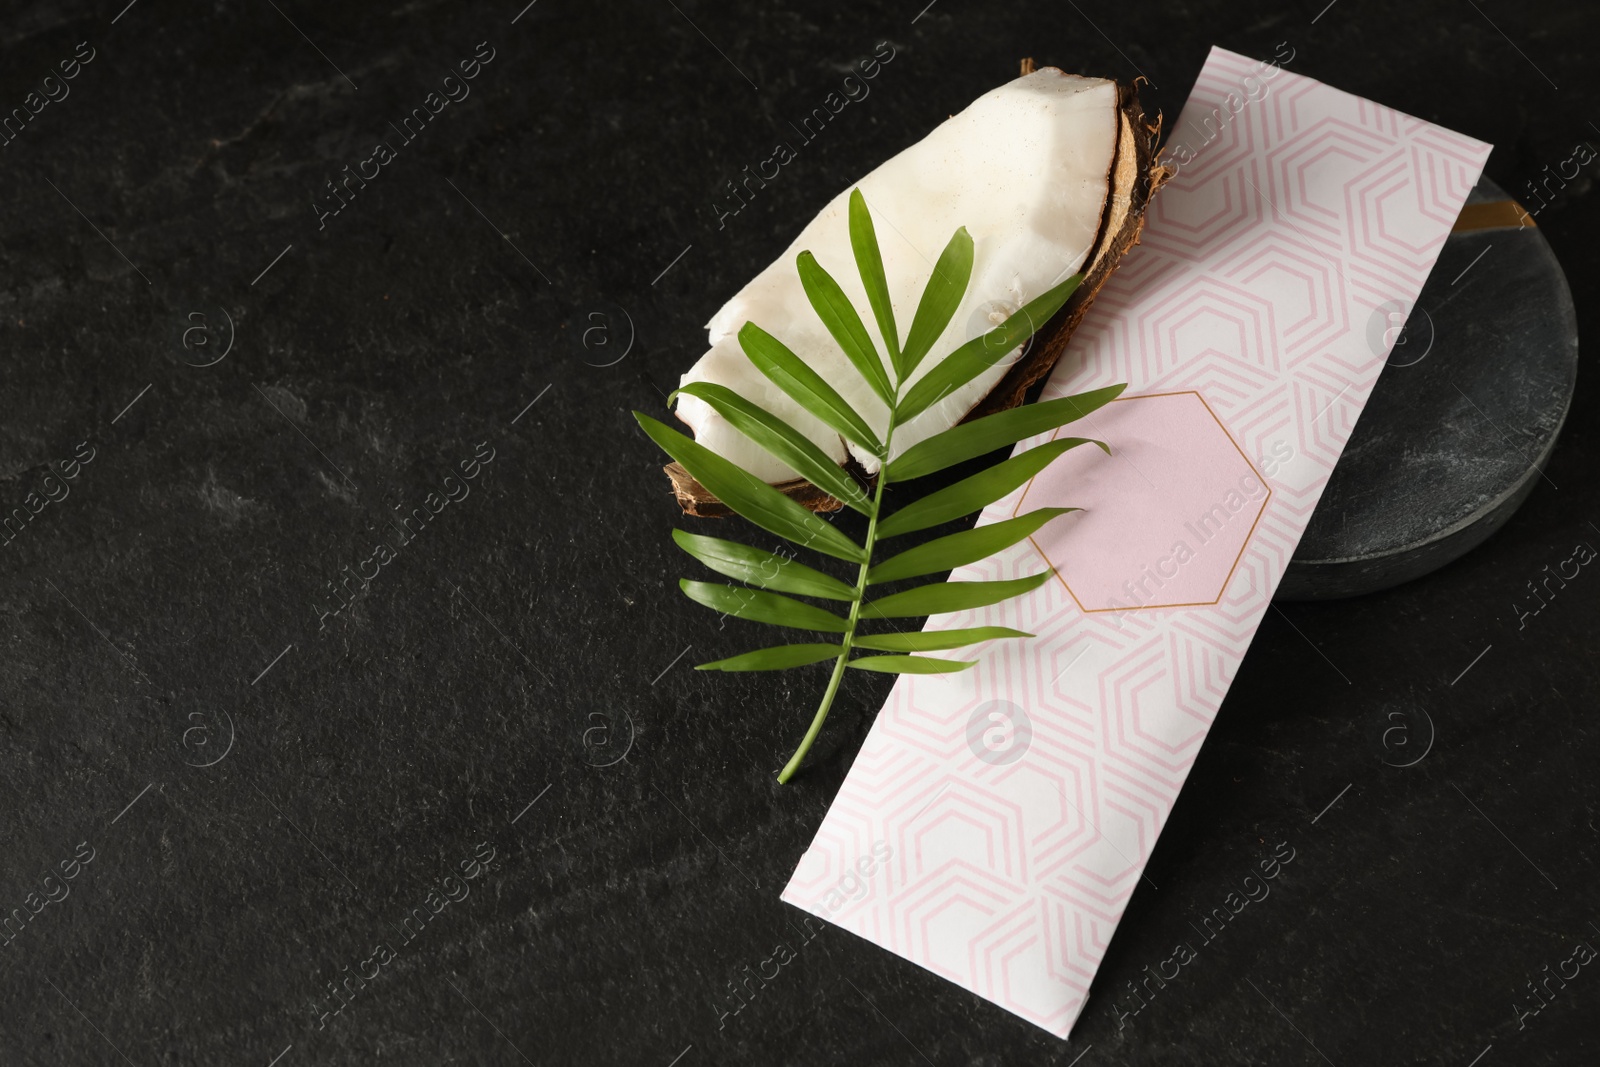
(805, 386)
(983, 352)
(837, 314)
(749, 496)
(935, 640)
(975, 493)
(762, 569)
(938, 598)
(758, 605)
(911, 665)
(783, 441)
(960, 549)
(777, 658)
(969, 440)
(946, 286)
(869, 263)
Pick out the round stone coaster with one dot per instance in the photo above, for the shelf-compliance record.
(1463, 418)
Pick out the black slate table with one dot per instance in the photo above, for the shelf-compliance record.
(481, 775)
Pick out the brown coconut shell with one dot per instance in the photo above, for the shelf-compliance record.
(1136, 174)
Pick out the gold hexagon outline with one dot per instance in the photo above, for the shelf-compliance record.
(1243, 546)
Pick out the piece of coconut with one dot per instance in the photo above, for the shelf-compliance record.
(1049, 173)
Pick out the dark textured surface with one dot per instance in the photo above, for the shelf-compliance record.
(532, 628)
(1461, 423)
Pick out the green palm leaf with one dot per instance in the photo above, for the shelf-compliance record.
(940, 298)
(869, 262)
(983, 352)
(776, 658)
(974, 493)
(837, 314)
(934, 640)
(959, 549)
(790, 373)
(761, 569)
(941, 597)
(768, 575)
(968, 440)
(783, 441)
(757, 605)
(910, 665)
(749, 495)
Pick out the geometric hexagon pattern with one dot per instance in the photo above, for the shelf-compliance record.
(1165, 519)
(995, 823)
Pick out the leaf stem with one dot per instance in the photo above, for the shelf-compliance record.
(855, 610)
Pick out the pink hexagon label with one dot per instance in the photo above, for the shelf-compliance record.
(1166, 516)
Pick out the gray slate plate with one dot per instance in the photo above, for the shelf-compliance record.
(1460, 425)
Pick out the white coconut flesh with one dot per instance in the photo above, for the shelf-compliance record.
(1025, 168)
